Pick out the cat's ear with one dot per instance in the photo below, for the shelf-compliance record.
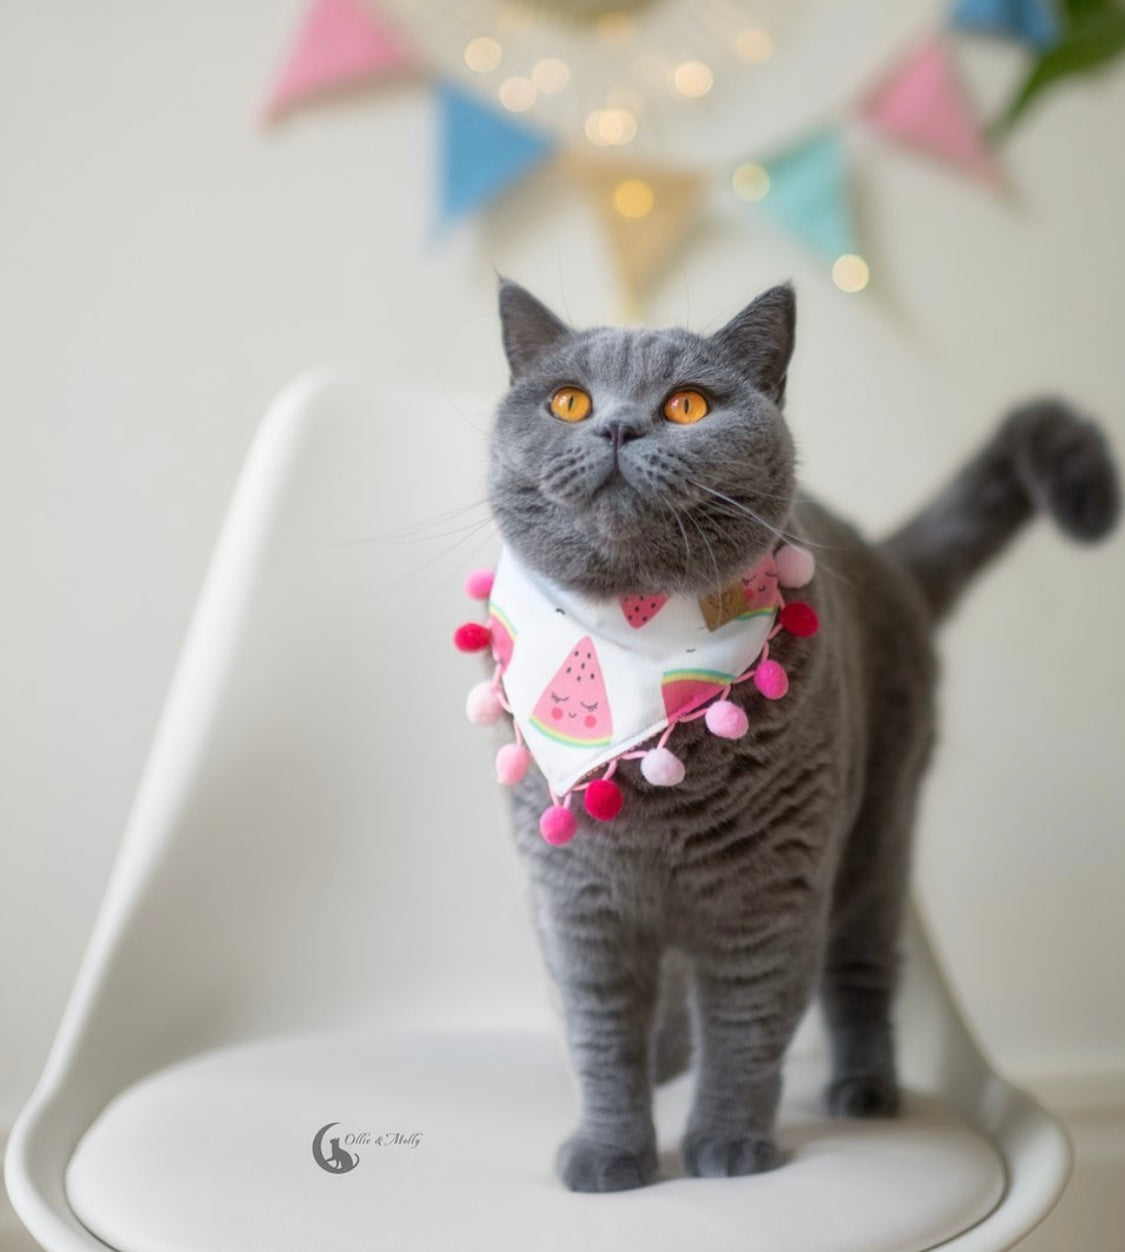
(760, 339)
(528, 326)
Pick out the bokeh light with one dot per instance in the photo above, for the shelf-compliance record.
(633, 198)
(851, 273)
(693, 79)
(483, 54)
(750, 181)
(517, 94)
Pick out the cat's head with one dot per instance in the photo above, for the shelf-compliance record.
(636, 460)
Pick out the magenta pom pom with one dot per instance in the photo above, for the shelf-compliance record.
(771, 680)
(471, 637)
(511, 763)
(604, 799)
(557, 825)
(478, 584)
(800, 619)
(482, 706)
(795, 566)
(725, 719)
(662, 768)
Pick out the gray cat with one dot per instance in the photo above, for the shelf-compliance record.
(704, 921)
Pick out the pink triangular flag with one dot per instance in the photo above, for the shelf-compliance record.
(341, 43)
(923, 104)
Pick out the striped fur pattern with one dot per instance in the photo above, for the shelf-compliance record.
(704, 920)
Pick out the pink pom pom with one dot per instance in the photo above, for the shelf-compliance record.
(725, 719)
(478, 584)
(471, 637)
(604, 799)
(795, 566)
(482, 706)
(511, 764)
(771, 680)
(557, 825)
(662, 768)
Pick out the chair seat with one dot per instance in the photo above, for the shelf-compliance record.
(216, 1155)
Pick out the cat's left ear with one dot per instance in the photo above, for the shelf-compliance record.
(761, 338)
(528, 326)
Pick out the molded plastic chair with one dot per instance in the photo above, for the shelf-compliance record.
(316, 928)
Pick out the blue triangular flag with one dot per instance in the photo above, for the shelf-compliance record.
(808, 194)
(482, 152)
(1035, 22)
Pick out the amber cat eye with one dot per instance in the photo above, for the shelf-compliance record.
(686, 407)
(572, 404)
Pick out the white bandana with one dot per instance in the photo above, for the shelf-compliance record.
(587, 680)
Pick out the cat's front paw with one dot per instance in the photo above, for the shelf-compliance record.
(863, 1095)
(585, 1165)
(719, 1154)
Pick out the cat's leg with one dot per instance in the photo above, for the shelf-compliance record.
(752, 981)
(607, 973)
(861, 963)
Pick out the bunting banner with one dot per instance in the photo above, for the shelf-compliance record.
(482, 152)
(341, 43)
(1032, 22)
(647, 213)
(808, 195)
(923, 106)
(488, 144)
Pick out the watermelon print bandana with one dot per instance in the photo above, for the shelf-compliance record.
(589, 683)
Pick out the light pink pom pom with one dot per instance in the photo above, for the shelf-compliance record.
(511, 764)
(771, 680)
(478, 584)
(557, 825)
(795, 566)
(662, 768)
(725, 719)
(482, 706)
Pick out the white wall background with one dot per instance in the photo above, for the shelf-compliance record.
(164, 268)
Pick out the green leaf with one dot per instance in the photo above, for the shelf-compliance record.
(1079, 10)
(1093, 43)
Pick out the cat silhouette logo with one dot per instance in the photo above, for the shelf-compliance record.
(339, 1161)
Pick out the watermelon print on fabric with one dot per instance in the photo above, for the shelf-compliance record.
(760, 588)
(640, 610)
(685, 690)
(503, 637)
(574, 708)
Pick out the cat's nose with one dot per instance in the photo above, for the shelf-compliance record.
(618, 432)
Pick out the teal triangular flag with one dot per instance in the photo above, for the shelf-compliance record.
(808, 194)
(1033, 21)
(482, 152)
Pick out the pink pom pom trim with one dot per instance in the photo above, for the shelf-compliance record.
(482, 705)
(512, 763)
(557, 825)
(603, 799)
(662, 768)
(771, 680)
(725, 719)
(478, 584)
(795, 566)
(472, 637)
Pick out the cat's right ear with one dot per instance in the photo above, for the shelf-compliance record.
(529, 328)
(760, 338)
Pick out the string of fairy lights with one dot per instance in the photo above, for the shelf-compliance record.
(615, 77)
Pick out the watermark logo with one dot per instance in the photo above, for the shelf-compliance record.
(342, 1161)
(338, 1161)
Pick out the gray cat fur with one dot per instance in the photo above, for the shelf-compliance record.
(779, 867)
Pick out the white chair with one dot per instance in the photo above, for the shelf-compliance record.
(316, 917)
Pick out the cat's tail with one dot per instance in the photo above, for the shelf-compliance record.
(1044, 458)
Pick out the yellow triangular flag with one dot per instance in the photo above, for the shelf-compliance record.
(647, 211)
